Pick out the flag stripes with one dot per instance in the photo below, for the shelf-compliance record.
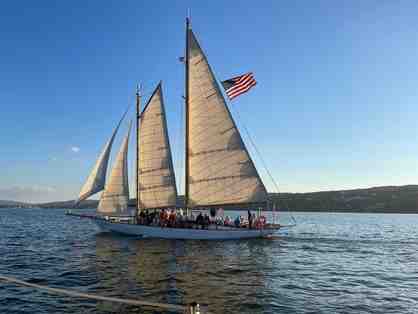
(239, 85)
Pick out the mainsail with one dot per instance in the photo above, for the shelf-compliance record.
(157, 184)
(97, 178)
(220, 170)
(116, 194)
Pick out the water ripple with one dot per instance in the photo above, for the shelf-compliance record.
(329, 263)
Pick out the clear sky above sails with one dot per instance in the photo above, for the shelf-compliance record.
(334, 107)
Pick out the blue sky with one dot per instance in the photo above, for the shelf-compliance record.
(335, 106)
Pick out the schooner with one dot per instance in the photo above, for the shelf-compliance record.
(218, 168)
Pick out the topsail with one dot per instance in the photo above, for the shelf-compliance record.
(97, 178)
(220, 170)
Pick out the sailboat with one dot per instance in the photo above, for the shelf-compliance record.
(218, 168)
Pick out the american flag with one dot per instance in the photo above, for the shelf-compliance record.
(239, 85)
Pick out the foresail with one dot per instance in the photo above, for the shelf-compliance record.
(97, 178)
(220, 168)
(115, 197)
(156, 180)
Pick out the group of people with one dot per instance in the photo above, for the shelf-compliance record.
(175, 218)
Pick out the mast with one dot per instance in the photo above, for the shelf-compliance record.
(138, 110)
(186, 192)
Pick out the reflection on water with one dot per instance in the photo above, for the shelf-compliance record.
(184, 271)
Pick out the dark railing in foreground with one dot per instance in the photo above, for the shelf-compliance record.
(192, 308)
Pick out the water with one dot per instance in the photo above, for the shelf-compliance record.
(329, 263)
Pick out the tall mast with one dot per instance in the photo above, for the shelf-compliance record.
(186, 193)
(138, 111)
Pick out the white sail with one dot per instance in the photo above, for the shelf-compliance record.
(156, 180)
(115, 197)
(97, 178)
(219, 166)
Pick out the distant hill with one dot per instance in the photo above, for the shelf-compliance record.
(6, 203)
(70, 204)
(60, 204)
(384, 199)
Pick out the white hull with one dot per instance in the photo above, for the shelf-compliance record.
(183, 234)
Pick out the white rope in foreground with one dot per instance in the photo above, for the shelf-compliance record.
(179, 308)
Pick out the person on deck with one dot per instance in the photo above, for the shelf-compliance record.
(237, 222)
(212, 212)
(206, 221)
(241, 221)
(199, 220)
(190, 220)
(162, 218)
(141, 217)
(219, 220)
(180, 223)
(150, 218)
(156, 220)
(172, 218)
(250, 220)
(227, 221)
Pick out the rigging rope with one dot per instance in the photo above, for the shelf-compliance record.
(72, 293)
(261, 158)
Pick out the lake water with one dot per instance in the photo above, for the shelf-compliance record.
(328, 263)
